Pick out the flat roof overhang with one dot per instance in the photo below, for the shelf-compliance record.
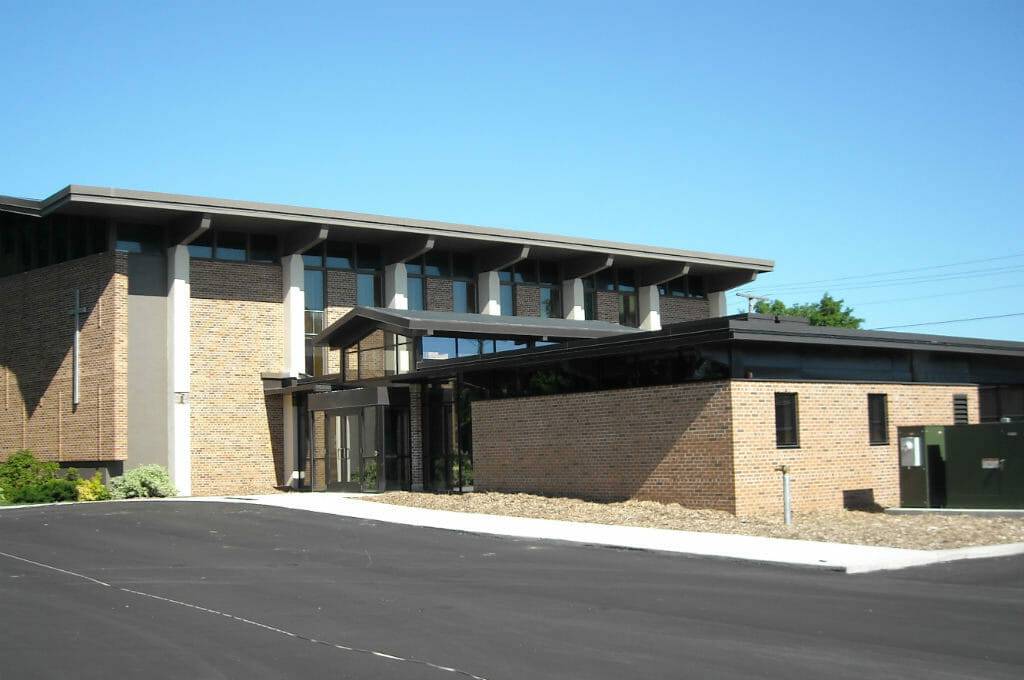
(721, 271)
(743, 329)
(362, 321)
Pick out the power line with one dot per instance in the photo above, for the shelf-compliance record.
(905, 281)
(901, 271)
(937, 323)
(936, 295)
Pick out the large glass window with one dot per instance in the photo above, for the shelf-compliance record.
(316, 357)
(878, 419)
(787, 433)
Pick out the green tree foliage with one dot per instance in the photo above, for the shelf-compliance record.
(827, 312)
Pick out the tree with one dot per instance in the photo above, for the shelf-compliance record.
(827, 312)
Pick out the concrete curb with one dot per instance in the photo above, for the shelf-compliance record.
(852, 559)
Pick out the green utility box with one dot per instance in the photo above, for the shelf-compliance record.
(962, 466)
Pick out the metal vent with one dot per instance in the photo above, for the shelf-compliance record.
(960, 409)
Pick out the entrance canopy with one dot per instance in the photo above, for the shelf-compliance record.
(362, 321)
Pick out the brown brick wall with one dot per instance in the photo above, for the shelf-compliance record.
(667, 443)
(237, 332)
(527, 300)
(341, 294)
(416, 435)
(36, 339)
(607, 306)
(440, 295)
(677, 309)
(834, 453)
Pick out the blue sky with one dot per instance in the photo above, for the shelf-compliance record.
(844, 140)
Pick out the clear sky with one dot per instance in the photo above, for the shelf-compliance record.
(845, 140)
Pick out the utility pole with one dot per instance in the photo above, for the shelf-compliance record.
(750, 300)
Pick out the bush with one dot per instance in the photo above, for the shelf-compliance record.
(23, 469)
(92, 489)
(145, 481)
(50, 491)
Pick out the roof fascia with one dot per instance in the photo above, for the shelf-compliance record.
(183, 203)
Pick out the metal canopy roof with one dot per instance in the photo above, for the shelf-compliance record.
(749, 329)
(362, 321)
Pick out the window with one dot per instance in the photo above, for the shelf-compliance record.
(960, 416)
(234, 246)
(786, 423)
(138, 238)
(542, 276)
(878, 419)
(622, 282)
(316, 357)
(684, 286)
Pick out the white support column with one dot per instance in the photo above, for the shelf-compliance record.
(396, 286)
(488, 293)
(294, 315)
(573, 306)
(717, 304)
(649, 308)
(294, 278)
(179, 350)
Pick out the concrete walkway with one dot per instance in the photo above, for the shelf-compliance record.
(853, 559)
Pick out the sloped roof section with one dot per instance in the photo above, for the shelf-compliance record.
(361, 321)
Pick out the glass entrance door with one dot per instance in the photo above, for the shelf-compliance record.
(344, 451)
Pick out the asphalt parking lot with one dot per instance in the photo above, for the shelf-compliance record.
(211, 590)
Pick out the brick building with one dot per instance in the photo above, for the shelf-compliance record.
(249, 347)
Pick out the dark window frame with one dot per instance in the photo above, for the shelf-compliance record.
(266, 252)
(787, 420)
(878, 419)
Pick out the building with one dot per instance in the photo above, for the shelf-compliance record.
(249, 347)
(184, 304)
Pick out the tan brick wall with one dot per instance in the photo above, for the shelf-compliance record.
(834, 454)
(36, 339)
(237, 332)
(667, 443)
(676, 443)
(677, 309)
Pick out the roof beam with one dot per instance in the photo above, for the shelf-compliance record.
(585, 265)
(301, 239)
(501, 257)
(658, 273)
(408, 249)
(188, 229)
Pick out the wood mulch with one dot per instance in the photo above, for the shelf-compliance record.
(922, 532)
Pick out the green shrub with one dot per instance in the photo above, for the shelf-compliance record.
(145, 481)
(23, 469)
(50, 491)
(92, 489)
(370, 475)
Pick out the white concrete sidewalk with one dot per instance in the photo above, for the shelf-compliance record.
(853, 559)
